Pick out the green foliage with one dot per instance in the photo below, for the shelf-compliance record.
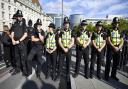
(123, 25)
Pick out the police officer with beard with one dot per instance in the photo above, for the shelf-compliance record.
(19, 34)
(37, 48)
(115, 43)
(82, 48)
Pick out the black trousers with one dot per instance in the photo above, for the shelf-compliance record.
(7, 56)
(99, 55)
(116, 57)
(79, 53)
(20, 57)
(51, 63)
(37, 52)
(62, 58)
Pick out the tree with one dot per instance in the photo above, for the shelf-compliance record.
(123, 25)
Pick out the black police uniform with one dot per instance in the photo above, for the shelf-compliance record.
(36, 51)
(64, 55)
(95, 54)
(51, 58)
(80, 51)
(111, 54)
(28, 40)
(7, 43)
(20, 49)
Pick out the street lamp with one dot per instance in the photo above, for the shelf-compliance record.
(62, 14)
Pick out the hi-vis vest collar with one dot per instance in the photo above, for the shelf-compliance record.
(115, 37)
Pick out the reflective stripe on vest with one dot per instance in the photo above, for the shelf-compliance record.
(51, 42)
(66, 38)
(115, 37)
(99, 41)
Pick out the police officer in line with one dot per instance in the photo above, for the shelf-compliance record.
(13, 60)
(124, 53)
(98, 44)
(51, 53)
(6, 40)
(66, 41)
(19, 34)
(82, 48)
(115, 41)
(37, 48)
(29, 30)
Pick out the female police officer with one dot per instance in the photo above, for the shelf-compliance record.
(51, 54)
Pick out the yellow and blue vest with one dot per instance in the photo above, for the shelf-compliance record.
(99, 40)
(83, 37)
(66, 38)
(51, 41)
(115, 37)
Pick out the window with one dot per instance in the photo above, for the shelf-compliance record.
(14, 9)
(9, 16)
(9, 8)
(2, 5)
(3, 15)
(9, 1)
(3, 23)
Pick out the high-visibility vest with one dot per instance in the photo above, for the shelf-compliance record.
(66, 38)
(115, 37)
(83, 37)
(51, 41)
(99, 40)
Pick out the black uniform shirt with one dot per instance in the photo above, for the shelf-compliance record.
(19, 29)
(36, 35)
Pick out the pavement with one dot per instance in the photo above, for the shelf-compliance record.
(9, 81)
(82, 83)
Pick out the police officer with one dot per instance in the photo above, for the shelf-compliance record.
(82, 48)
(66, 41)
(115, 41)
(51, 53)
(98, 44)
(29, 30)
(18, 34)
(6, 40)
(37, 48)
(13, 60)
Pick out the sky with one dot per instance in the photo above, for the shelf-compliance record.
(90, 8)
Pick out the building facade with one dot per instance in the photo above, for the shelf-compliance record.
(31, 10)
(75, 19)
(57, 19)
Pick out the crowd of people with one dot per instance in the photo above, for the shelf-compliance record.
(25, 43)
